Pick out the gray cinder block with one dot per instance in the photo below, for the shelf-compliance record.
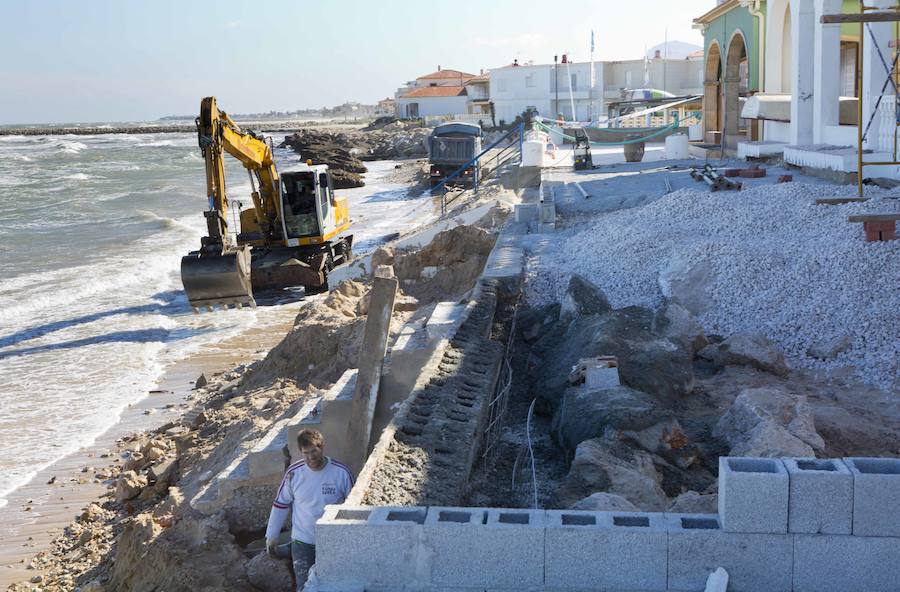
(368, 546)
(876, 496)
(821, 498)
(754, 562)
(829, 563)
(605, 550)
(753, 495)
(485, 548)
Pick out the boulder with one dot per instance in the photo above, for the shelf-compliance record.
(770, 421)
(585, 414)
(828, 348)
(666, 439)
(382, 256)
(535, 322)
(129, 486)
(201, 381)
(268, 573)
(604, 502)
(617, 469)
(582, 298)
(687, 284)
(747, 350)
(647, 362)
(692, 502)
(676, 323)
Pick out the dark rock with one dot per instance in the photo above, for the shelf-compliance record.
(585, 414)
(535, 322)
(583, 298)
(269, 574)
(201, 381)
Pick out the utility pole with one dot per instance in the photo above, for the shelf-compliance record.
(556, 83)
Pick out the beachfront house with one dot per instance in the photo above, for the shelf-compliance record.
(439, 94)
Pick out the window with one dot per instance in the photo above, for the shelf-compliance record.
(574, 82)
(323, 193)
(529, 81)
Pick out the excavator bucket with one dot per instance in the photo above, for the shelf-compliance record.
(218, 280)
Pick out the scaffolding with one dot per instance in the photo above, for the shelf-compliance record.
(866, 16)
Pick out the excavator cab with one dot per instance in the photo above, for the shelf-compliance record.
(311, 212)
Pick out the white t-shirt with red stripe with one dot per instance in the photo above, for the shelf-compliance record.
(304, 493)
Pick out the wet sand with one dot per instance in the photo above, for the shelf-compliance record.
(37, 512)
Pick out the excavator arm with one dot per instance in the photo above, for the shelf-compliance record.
(219, 272)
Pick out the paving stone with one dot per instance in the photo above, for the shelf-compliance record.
(753, 495)
(876, 496)
(821, 496)
(605, 550)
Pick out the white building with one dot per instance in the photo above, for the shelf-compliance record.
(809, 107)
(439, 94)
(547, 88)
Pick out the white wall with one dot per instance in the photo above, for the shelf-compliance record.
(434, 106)
(515, 88)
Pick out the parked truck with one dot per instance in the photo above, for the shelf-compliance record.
(450, 146)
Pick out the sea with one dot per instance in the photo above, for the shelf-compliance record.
(92, 230)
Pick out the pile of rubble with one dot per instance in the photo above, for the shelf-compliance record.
(344, 152)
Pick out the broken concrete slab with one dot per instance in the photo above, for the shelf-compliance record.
(374, 347)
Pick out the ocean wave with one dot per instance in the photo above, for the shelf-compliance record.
(168, 223)
(79, 177)
(156, 144)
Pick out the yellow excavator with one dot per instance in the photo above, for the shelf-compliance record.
(290, 237)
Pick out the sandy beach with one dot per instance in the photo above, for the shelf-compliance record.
(38, 512)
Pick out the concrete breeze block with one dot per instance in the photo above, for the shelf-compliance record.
(876, 496)
(605, 550)
(829, 563)
(368, 546)
(821, 496)
(754, 562)
(485, 547)
(753, 495)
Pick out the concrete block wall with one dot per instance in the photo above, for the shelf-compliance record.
(796, 524)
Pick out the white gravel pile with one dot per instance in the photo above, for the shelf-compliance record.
(780, 266)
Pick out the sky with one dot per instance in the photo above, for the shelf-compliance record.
(137, 60)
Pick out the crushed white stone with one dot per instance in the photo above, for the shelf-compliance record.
(782, 266)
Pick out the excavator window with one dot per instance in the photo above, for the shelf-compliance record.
(300, 217)
(323, 195)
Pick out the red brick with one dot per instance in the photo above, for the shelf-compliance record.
(732, 172)
(753, 173)
(872, 235)
(887, 235)
(785, 178)
(880, 225)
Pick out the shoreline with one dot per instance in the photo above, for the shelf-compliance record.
(258, 126)
(52, 507)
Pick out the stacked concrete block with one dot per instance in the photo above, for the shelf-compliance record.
(753, 495)
(876, 497)
(821, 496)
(697, 546)
(371, 547)
(830, 563)
(605, 551)
(485, 548)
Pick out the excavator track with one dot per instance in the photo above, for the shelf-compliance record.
(218, 280)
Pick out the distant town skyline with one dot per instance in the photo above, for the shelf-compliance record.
(108, 60)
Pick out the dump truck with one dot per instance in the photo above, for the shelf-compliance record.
(450, 146)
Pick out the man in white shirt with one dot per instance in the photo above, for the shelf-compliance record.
(306, 488)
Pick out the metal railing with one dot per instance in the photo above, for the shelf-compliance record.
(509, 138)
